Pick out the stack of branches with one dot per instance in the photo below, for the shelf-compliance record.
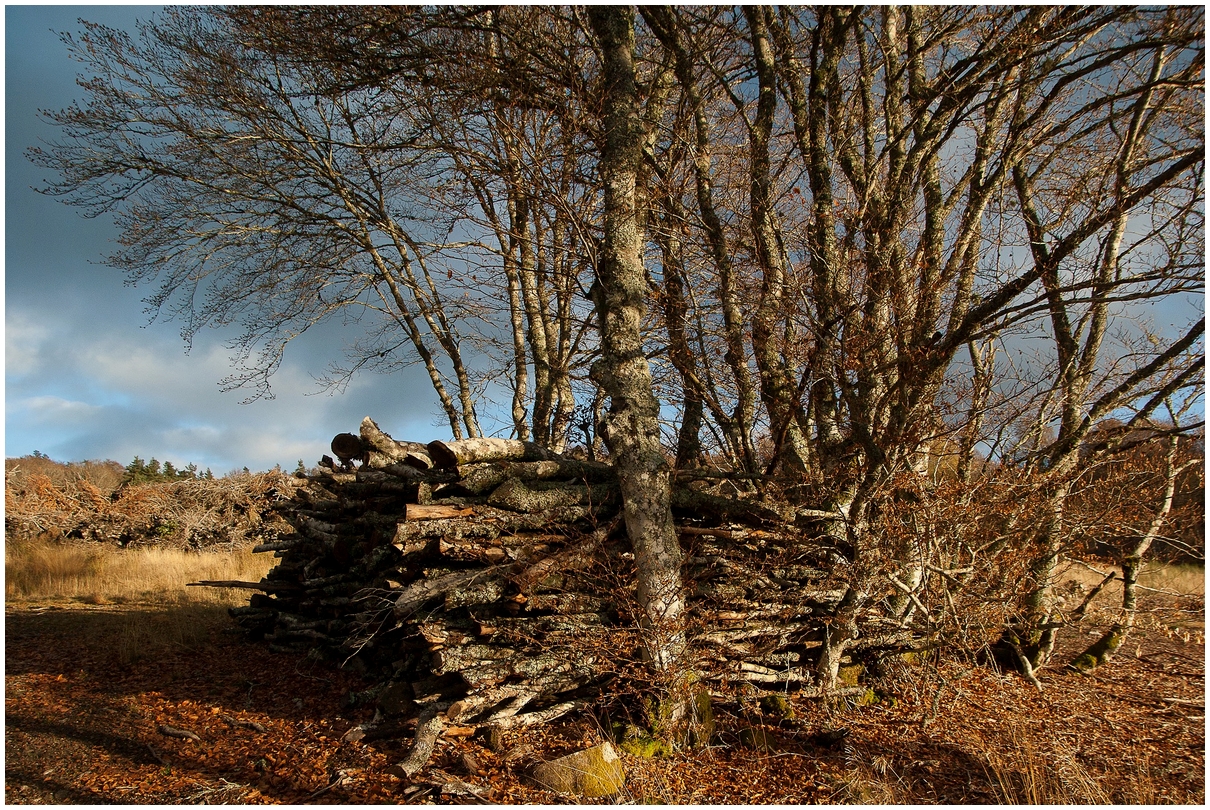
(37, 506)
(489, 582)
(234, 511)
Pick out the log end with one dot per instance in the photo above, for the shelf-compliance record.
(347, 446)
(442, 456)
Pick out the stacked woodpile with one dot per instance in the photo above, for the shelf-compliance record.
(489, 581)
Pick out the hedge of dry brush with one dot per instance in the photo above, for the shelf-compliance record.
(233, 511)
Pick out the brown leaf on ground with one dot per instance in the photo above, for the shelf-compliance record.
(82, 727)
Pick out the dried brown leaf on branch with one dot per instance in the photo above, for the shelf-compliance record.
(231, 512)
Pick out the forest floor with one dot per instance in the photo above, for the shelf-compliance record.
(88, 685)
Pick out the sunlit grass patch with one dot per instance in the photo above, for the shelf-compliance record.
(1021, 772)
(1188, 580)
(98, 575)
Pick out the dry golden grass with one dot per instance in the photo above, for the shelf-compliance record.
(99, 575)
(1022, 773)
(1169, 578)
(138, 596)
(1187, 580)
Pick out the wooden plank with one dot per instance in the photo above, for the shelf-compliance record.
(226, 583)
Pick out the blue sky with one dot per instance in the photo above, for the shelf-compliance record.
(86, 375)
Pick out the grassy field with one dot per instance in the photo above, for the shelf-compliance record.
(1186, 580)
(100, 575)
(158, 611)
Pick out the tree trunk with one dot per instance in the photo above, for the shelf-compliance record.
(633, 432)
(778, 389)
(838, 634)
(1038, 640)
(737, 427)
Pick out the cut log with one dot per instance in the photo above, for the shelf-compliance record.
(484, 477)
(577, 556)
(427, 731)
(417, 511)
(382, 449)
(485, 592)
(756, 673)
(418, 459)
(425, 590)
(447, 455)
(278, 545)
(390, 474)
(700, 503)
(515, 495)
(538, 717)
(469, 656)
(348, 447)
(411, 537)
(470, 550)
(226, 583)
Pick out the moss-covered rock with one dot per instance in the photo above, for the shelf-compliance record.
(849, 674)
(592, 774)
(757, 739)
(777, 706)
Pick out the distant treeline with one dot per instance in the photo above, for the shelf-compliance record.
(141, 472)
(107, 475)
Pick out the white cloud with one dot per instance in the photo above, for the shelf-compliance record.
(23, 340)
(57, 409)
(91, 389)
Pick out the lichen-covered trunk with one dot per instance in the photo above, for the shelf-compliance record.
(839, 633)
(1101, 650)
(633, 433)
(1036, 638)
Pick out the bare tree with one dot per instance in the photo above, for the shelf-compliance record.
(851, 222)
(1179, 456)
(899, 228)
(249, 196)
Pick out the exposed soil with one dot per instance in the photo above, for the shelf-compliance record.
(81, 727)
